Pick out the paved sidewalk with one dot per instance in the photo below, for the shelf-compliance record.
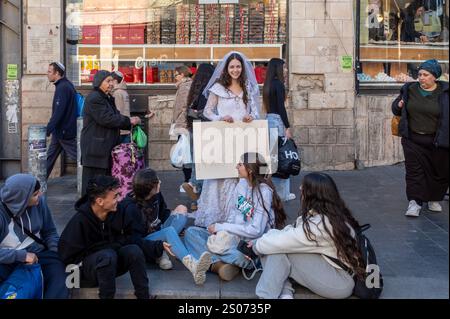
(412, 253)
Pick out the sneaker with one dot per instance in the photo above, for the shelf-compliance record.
(287, 295)
(190, 190)
(291, 196)
(164, 262)
(198, 267)
(182, 189)
(434, 207)
(413, 209)
(226, 272)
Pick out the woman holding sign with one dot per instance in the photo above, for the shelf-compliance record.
(233, 95)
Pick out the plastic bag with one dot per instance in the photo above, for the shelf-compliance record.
(180, 154)
(25, 282)
(139, 137)
(79, 99)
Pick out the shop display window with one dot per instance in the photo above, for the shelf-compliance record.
(395, 36)
(147, 39)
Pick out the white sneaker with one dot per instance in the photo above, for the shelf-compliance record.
(291, 196)
(198, 268)
(286, 296)
(413, 209)
(164, 262)
(182, 189)
(434, 207)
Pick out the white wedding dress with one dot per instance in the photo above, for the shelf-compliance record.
(215, 196)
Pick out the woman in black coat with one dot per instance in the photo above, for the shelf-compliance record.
(424, 127)
(102, 123)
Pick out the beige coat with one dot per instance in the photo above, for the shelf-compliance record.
(122, 100)
(179, 117)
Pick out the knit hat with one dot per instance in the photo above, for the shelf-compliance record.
(99, 77)
(432, 66)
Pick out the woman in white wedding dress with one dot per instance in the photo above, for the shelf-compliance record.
(233, 95)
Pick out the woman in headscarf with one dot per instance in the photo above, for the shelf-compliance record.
(423, 107)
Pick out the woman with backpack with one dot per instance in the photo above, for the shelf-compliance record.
(274, 96)
(325, 230)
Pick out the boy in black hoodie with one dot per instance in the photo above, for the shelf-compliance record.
(101, 239)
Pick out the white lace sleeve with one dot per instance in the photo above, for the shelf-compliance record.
(254, 102)
(210, 107)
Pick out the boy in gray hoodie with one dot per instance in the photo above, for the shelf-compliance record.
(22, 209)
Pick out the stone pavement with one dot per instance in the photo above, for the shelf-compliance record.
(412, 252)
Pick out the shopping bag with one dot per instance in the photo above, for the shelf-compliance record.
(288, 158)
(139, 137)
(25, 282)
(180, 154)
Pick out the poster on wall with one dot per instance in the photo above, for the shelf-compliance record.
(43, 47)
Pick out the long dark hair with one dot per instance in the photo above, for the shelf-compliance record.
(201, 79)
(144, 181)
(319, 194)
(255, 166)
(225, 78)
(274, 71)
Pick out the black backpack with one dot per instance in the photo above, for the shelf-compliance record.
(373, 277)
(288, 158)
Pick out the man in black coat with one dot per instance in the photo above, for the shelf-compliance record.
(102, 123)
(99, 237)
(63, 123)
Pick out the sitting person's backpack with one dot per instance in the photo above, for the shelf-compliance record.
(362, 290)
(25, 282)
(79, 100)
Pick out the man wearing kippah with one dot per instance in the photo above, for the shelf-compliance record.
(63, 123)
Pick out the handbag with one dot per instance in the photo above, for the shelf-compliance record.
(288, 158)
(395, 123)
(25, 282)
(221, 242)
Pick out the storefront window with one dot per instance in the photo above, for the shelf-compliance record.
(147, 39)
(397, 35)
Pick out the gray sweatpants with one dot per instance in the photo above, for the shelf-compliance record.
(309, 270)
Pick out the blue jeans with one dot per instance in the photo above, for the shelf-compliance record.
(282, 186)
(170, 231)
(195, 239)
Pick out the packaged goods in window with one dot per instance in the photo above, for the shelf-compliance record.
(241, 24)
(226, 23)
(256, 23)
(153, 26)
(127, 73)
(183, 24)
(283, 22)
(168, 25)
(151, 74)
(121, 34)
(260, 73)
(212, 21)
(90, 34)
(138, 75)
(136, 34)
(197, 17)
(271, 22)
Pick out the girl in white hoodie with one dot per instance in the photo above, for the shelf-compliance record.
(254, 209)
(324, 228)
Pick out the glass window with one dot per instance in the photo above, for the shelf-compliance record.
(395, 36)
(147, 39)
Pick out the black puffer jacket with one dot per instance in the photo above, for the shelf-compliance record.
(102, 123)
(441, 139)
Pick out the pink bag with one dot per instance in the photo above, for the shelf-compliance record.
(127, 159)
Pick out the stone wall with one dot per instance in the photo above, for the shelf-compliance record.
(42, 45)
(321, 94)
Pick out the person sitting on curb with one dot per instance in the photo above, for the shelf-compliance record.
(254, 208)
(98, 238)
(24, 214)
(324, 230)
(154, 222)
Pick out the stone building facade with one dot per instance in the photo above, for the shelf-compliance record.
(335, 128)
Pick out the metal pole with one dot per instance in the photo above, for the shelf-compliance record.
(37, 154)
(79, 167)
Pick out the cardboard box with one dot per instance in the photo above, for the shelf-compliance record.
(90, 34)
(137, 34)
(121, 34)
